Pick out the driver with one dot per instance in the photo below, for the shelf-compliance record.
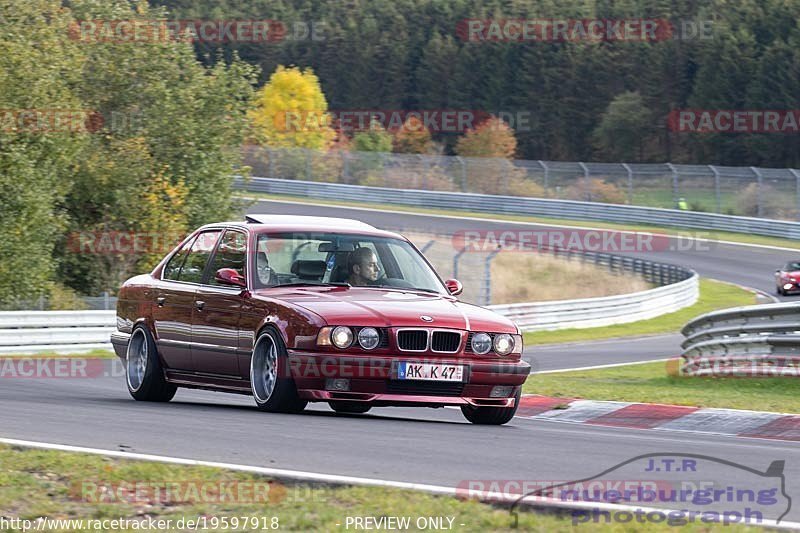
(363, 267)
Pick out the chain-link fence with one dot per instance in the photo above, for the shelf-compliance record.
(748, 191)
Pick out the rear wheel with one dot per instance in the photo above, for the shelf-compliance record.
(270, 380)
(350, 407)
(491, 416)
(144, 374)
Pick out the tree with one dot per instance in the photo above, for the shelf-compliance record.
(373, 139)
(624, 129)
(413, 137)
(161, 163)
(491, 138)
(38, 70)
(291, 111)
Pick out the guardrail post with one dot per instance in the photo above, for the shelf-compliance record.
(716, 187)
(796, 175)
(585, 188)
(546, 177)
(759, 193)
(627, 168)
(455, 261)
(674, 184)
(105, 301)
(487, 276)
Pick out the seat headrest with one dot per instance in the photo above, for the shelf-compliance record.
(308, 269)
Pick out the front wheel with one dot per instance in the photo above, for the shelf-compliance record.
(270, 380)
(143, 371)
(491, 416)
(341, 406)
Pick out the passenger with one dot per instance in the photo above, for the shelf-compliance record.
(363, 267)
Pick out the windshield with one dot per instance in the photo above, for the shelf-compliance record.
(790, 267)
(333, 258)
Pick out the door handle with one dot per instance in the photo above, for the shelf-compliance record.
(199, 305)
(160, 301)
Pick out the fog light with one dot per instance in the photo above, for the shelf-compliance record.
(337, 384)
(787, 286)
(501, 391)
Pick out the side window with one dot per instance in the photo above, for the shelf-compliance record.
(173, 268)
(231, 253)
(202, 247)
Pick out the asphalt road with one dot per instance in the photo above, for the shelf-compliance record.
(605, 352)
(415, 445)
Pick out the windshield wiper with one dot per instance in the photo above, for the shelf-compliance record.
(431, 291)
(313, 284)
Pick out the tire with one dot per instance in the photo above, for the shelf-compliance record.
(357, 408)
(270, 381)
(143, 372)
(491, 416)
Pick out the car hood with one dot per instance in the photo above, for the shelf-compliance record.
(390, 308)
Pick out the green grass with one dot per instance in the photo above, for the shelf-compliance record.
(714, 236)
(655, 383)
(713, 295)
(53, 484)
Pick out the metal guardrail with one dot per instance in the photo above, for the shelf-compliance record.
(603, 311)
(748, 191)
(517, 205)
(55, 331)
(755, 340)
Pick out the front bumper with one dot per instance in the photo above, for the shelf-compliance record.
(373, 379)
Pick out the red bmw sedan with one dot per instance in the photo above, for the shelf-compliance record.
(296, 309)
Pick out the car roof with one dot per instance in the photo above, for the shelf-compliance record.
(262, 223)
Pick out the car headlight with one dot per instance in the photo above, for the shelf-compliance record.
(342, 336)
(503, 344)
(481, 343)
(368, 338)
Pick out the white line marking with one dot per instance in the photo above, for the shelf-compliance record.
(599, 366)
(541, 224)
(349, 480)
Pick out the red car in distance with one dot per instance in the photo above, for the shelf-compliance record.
(787, 279)
(297, 309)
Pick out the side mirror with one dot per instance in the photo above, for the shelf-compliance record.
(229, 276)
(454, 286)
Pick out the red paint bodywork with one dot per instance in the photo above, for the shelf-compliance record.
(210, 348)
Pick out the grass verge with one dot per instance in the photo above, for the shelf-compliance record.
(713, 295)
(652, 383)
(710, 235)
(63, 485)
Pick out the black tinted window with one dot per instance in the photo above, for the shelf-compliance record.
(231, 253)
(202, 247)
(173, 269)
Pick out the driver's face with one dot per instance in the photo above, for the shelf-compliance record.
(369, 269)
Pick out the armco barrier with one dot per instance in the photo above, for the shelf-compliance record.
(604, 311)
(755, 340)
(55, 331)
(515, 205)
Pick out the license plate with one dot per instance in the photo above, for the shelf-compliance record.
(430, 372)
